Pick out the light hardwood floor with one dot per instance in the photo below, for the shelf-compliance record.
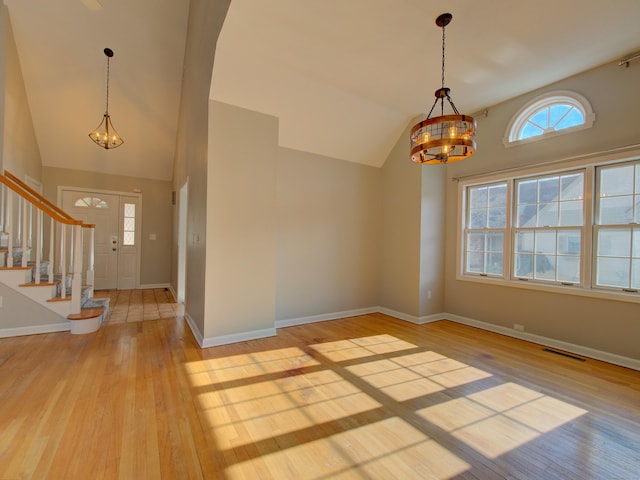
(358, 398)
(127, 306)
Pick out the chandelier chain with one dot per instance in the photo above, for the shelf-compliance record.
(443, 56)
(442, 99)
(106, 109)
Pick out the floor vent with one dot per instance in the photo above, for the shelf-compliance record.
(568, 355)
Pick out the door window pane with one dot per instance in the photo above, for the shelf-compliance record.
(129, 227)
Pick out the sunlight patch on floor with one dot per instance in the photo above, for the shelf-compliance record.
(295, 403)
(242, 367)
(355, 348)
(321, 415)
(499, 419)
(390, 449)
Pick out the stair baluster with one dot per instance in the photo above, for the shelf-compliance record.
(52, 241)
(9, 261)
(63, 261)
(38, 246)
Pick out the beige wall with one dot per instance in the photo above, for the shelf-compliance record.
(155, 262)
(328, 238)
(412, 233)
(400, 231)
(241, 221)
(606, 325)
(289, 234)
(432, 244)
(205, 22)
(18, 144)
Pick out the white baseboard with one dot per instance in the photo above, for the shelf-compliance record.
(194, 329)
(237, 337)
(547, 342)
(206, 342)
(411, 318)
(292, 322)
(173, 292)
(35, 330)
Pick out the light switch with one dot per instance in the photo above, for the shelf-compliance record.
(153, 236)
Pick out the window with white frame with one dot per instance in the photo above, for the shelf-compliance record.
(548, 228)
(486, 227)
(579, 228)
(617, 229)
(549, 114)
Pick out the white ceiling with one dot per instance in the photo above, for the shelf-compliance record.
(60, 44)
(344, 76)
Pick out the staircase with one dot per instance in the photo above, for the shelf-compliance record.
(32, 231)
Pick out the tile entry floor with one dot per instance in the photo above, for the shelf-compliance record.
(127, 306)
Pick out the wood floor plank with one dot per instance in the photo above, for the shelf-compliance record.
(363, 397)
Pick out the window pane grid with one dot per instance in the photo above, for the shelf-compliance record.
(617, 255)
(484, 252)
(548, 255)
(619, 195)
(549, 119)
(550, 201)
(129, 224)
(485, 222)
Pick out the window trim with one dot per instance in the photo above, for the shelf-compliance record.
(549, 99)
(587, 162)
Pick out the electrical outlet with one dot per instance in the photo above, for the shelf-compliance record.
(518, 327)
(429, 295)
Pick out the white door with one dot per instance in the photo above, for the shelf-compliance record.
(115, 254)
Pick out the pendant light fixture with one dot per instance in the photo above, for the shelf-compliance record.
(104, 135)
(447, 138)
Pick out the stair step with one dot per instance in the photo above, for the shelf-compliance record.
(41, 284)
(60, 299)
(86, 313)
(88, 320)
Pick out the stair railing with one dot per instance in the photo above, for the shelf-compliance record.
(18, 203)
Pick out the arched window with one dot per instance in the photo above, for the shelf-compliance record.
(550, 114)
(91, 202)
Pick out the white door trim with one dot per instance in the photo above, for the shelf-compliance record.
(121, 194)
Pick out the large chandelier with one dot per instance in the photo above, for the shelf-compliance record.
(104, 134)
(447, 138)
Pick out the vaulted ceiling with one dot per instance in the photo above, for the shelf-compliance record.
(345, 77)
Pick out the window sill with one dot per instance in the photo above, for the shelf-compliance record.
(558, 289)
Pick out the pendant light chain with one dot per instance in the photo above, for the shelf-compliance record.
(106, 110)
(442, 99)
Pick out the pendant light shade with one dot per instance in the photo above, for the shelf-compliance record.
(446, 138)
(104, 135)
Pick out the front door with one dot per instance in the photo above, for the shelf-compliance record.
(116, 236)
